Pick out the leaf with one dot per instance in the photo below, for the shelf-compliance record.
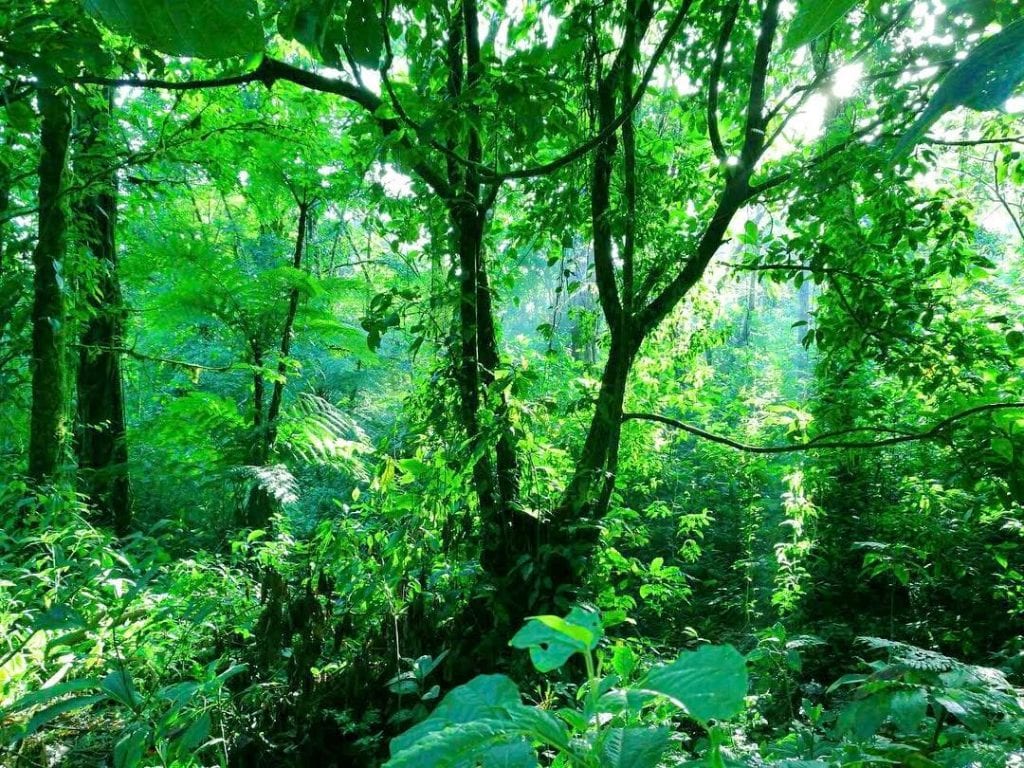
(908, 708)
(484, 697)
(46, 694)
(709, 683)
(118, 685)
(20, 116)
(551, 640)
(199, 28)
(982, 81)
(363, 32)
(864, 717)
(129, 749)
(60, 617)
(540, 725)
(52, 712)
(484, 743)
(634, 747)
(193, 736)
(815, 18)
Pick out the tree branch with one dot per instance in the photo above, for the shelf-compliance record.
(596, 141)
(757, 120)
(268, 72)
(826, 441)
(130, 352)
(714, 79)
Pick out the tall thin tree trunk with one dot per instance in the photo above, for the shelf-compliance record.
(102, 446)
(260, 504)
(46, 435)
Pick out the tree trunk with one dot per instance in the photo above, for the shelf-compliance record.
(47, 427)
(260, 504)
(102, 447)
(593, 480)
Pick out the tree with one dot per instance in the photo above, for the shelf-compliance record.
(47, 422)
(101, 444)
(732, 148)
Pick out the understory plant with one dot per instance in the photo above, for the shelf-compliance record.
(617, 719)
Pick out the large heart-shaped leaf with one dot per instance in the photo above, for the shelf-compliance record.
(709, 683)
(552, 639)
(814, 18)
(199, 28)
(363, 32)
(485, 697)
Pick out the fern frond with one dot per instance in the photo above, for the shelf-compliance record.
(318, 432)
(275, 479)
(911, 656)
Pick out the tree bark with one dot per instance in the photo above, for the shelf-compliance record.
(47, 427)
(102, 447)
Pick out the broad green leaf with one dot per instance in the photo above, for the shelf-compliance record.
(552, 640)
(709, 683)
(813, 19)
(984, 80)
(363, 32)
(195, 735)
(199, 28)
(46, 694)
(52, 712)
(483, 743)
(20, 116)
(540, 725)
(624, 661)
(634, 747)
(908, 709)
(864, 717)
(851, 679)
(485, 697)
(60, 617)
(129, 749)
(118, 685)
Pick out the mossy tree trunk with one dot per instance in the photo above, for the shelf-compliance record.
(47, 427)
(102, 446)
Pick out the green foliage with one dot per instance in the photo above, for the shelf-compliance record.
(984, 80)
(112, 639)
(192, 28)
(485, 722)
(373, 386)
(814, 18)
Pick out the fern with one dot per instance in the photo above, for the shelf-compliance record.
(318, 432)
(910, 656)
(275, 479)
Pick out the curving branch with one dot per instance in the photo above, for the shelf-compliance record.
(782, 177)
(827, 441)
(268, 72)
(715, 78)
(271, 70)
(757, 119)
